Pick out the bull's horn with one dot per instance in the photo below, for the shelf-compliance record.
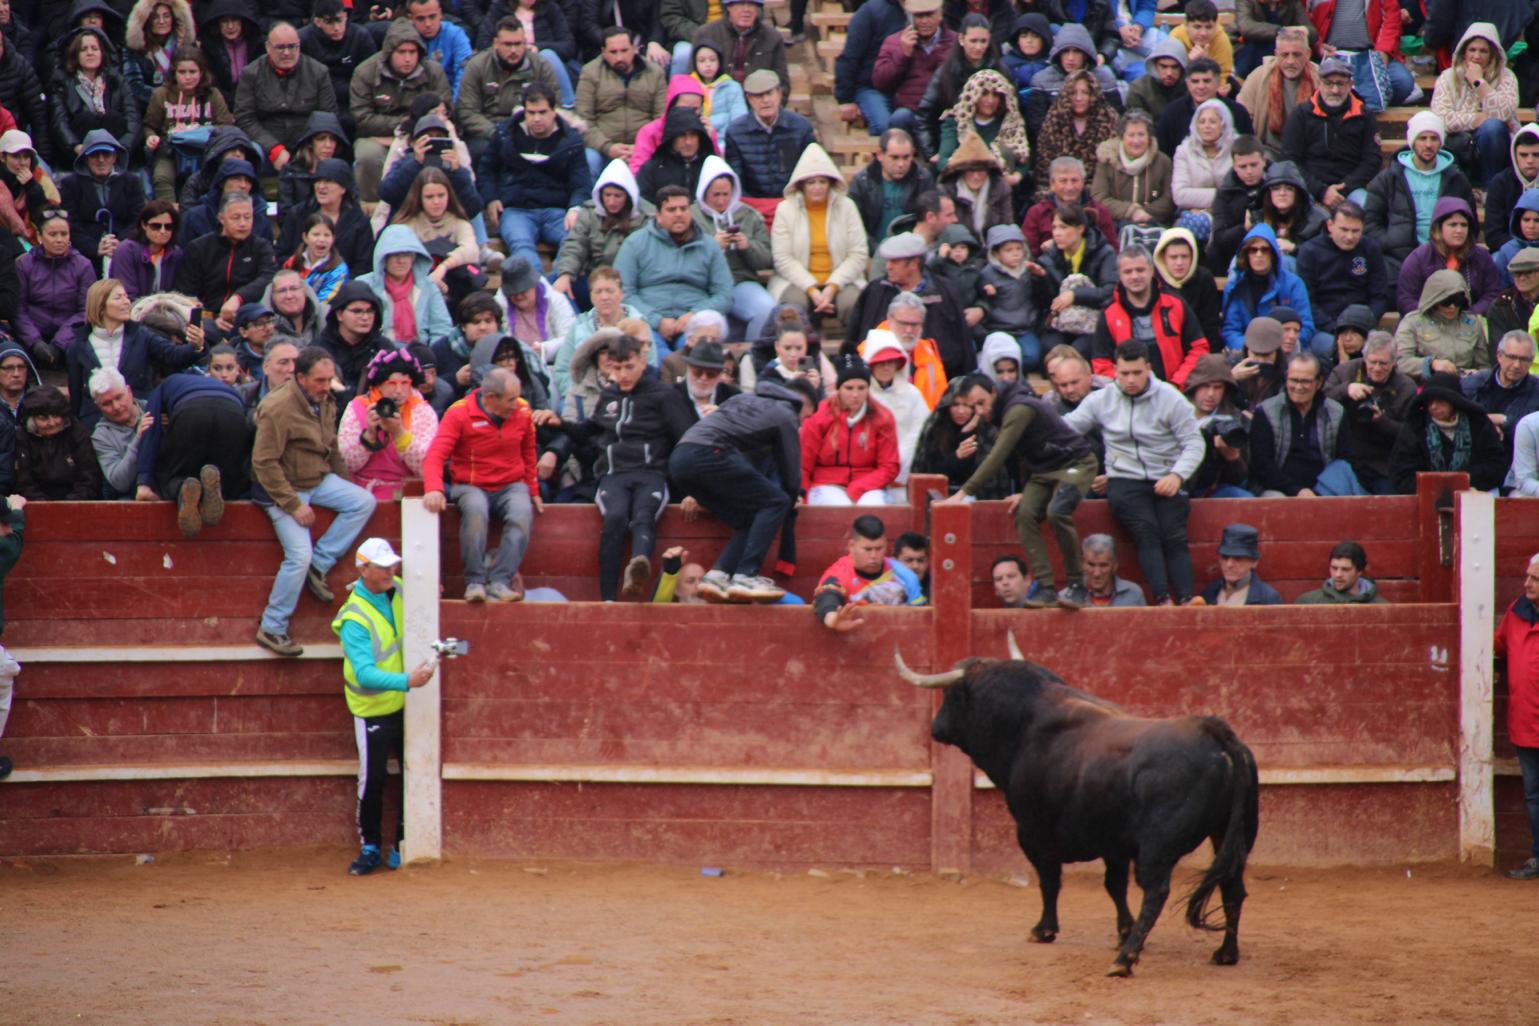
(1015, 649)
(925, 680)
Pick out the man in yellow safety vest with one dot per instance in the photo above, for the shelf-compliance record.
(373, 668)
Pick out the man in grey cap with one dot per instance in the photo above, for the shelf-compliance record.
(763, 145)
(944, 321)
(1333, 138)
(1513, 308)
(1239, 550)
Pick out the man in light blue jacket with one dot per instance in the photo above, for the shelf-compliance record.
(671, 269)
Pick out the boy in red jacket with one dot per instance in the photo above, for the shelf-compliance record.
(487, 440)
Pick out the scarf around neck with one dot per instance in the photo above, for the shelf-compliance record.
(403, 319)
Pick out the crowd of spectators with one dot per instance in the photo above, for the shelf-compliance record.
(300, 255)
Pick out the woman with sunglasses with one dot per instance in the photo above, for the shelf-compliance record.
(147, 260)
(54, 280)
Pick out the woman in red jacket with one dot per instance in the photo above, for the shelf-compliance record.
(850, 446)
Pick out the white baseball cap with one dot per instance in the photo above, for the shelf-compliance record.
(378, 552)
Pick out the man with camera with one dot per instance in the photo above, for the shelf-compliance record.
(370, 625)
(1215, 399)
(1377, 396)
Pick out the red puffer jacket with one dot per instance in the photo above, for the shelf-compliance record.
(481, 452)
(859, 459)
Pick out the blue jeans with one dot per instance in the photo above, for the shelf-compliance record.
(522, 229)
(596, 162)
(1225, 491)
(563, 77)
(1031, 352)
(1401, 83)
(514, 508)
(875, 108)
(1492, 142)
(751, 303)
(353, 507)
(1528, 762)
(1338, 478)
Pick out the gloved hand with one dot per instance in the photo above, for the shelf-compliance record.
(46, 354)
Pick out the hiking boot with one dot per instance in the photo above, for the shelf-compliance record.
(188, 498)
(278, 644)
(393, 858)
(753, 589)
(1527, 871)
(499, 592)
(211, 509)
(368, 860)
(315, 580)
(475, 592)
(637, 573)
(713, 586)
(1069, 598)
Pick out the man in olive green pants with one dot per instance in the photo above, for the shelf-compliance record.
(1056, 464)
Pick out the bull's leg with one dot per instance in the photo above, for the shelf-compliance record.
(1228, 952)
(1050, 874)
(1117, 887)
(1155, 881)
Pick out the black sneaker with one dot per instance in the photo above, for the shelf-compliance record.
(5, 766)
(315, 580)
(1527, 871)
(279, 644)
(368, 860)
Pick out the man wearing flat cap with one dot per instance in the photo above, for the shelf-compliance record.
(1333, 138)
(764, 145)
(1239, 550)
(944, 322)
(1513, 307)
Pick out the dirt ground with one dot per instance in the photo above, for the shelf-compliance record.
(286, 937)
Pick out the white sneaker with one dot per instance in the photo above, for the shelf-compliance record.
(713, 586)
(754, 589)
(475, 593)
(499, 592)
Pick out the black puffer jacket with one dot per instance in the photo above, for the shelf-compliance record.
(22, 94)
(866, 191)
(70, 118)
(60, 467)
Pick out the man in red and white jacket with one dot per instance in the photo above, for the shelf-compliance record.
(850, 445)
(487, 441)
(1517, 642)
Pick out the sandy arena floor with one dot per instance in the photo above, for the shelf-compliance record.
(287, 937)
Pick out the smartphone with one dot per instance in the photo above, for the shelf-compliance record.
(807, 363)
(734, 229)
(195, 316)
(438, 144)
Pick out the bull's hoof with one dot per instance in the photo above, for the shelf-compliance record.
(1120, 969)
(1042, 936)
(1226, 955)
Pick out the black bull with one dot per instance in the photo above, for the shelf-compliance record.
(1085, 780)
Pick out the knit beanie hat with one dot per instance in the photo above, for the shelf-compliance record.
(849, 367)
(1425, 121)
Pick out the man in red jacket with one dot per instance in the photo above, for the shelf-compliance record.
(1517, 642)
(487, 439)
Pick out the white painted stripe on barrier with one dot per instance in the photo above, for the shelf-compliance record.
(724, 775)
(1317, 775)
(183, 771)
(424, 744)
(164, 654)
(1476, 577)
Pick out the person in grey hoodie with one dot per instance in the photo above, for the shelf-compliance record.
(1152, 447)
(1166, 68)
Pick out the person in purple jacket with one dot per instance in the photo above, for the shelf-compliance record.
(1451, 237)
(147, 260)
(54, 279)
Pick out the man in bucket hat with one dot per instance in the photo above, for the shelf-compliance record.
(1239, 550)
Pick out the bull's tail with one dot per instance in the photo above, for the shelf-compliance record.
(1240, 832)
